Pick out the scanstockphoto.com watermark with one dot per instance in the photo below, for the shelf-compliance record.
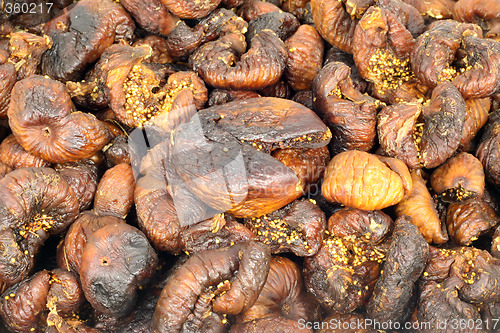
(373, 324)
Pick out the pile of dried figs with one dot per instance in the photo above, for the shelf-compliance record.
(249, 166)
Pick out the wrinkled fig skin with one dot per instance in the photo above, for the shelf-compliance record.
(481, 74)
(116, 260)
(7, 80)
(81, 35)
(34, 203)
(183, 40)
(355, 322)
(82, 177)
(283, 24)
(488, 151)
(468, 220)
(21, 313)
(405, 261)
(151, 15)
(191, 9)
(270, 122)
(181, 306)
(261, 66)
(26, 50)
(77, 236)
(13, 155)
(43, 119)
(484, 13)
(22, 307)
(334, 24)
(438, 265)
(305, 57)
(115, 192)
(350, 115)
(371, 226)
(251, 9)
(477, 115)
(440, 301)
(296, 228)
(365, 181)
(443, 124)
(282, 302)
(459, 178)
(484, 285)
(420, 206)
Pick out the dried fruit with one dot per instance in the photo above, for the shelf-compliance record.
(46, 124)
(405, 261)
(210, 284)
(365, 181)
(14, 156)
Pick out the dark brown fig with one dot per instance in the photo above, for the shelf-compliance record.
(224, 64)
(82, 177)
(190, 9)
(34, 204)
(81, 35)
(211, 284)
(424, 135)
(297, 227)
(70, 256)
(283, 24)
(484, 14)
(116, 261)
(350, 115)
(153, 16)
(26, 50)
(282, 304)
(488, 151)
(46, 124)
(405, 262)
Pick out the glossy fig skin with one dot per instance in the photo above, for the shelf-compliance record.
(350, 115)
(244, 266)
(353, 178)
(43, 119)
(115, 192)
(477, 110)
(116, 260)
(262, 65)
(13, 155)
(81, 35)
(34, 203)
(296, 228)
(420, 206)
(405, 262)
(308, 164)
(283, 301)
(469, 219)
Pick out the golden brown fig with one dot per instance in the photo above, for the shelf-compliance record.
(460, 178)
(420, 206)
(191, 9)
(477, 110)
(365, 181)
(115, 192)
